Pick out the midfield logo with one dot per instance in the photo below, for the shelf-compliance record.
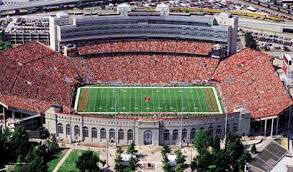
(147, 99)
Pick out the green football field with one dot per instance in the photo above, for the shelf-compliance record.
(103, 100)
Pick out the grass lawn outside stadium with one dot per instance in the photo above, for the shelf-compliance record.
(148, 100)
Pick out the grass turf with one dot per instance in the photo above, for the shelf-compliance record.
(53, 162)
(148, 99)
(69, 163)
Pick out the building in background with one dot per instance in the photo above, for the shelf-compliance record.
(221, 29)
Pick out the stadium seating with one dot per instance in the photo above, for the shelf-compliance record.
(178, 46)
(248, 79)
(147, 69)
(34, 73)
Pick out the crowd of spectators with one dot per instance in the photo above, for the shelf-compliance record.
(35, 73)
(248, 79)
(147, 69)
(33, 77)
(170, 46)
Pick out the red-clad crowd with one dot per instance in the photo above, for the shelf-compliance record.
(248, 79)
(33, 77)
(43, 78)
(147, 69)
(172, 46)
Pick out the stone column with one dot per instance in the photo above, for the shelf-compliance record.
(277, 126)
(272, 127)
(4, 116)
(13, 117)
(81, 132)
(265, 128)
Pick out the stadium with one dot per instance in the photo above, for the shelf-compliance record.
(139, 89)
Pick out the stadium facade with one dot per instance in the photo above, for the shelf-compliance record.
(221, 29)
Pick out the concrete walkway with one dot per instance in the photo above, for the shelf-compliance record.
(62, 160)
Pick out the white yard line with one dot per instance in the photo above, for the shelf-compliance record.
(76, 99)
(197, 99)
(62, 160)
(218, 101)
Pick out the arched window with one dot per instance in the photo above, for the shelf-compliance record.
(103, 133)
(68, 129)
(76, 130)
(210, 131)
(85, 132)
(192, 134)
(129, 134)
(120, 134)
(112, 135)
(166, 135)
(94, 133)
(59, 128)
(235, 127)
(175, 134)
(219, 130)
(184, 134)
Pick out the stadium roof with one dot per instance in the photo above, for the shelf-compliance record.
(33, 77)
(268, 158)
(248, 79)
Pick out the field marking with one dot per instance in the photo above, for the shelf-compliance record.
(218, 100)
(195, 100)
(127, 113)
(135, 99)
(153, 97)
(180, 89)
(101, 96)
(140, 97)
(77, 99)
(175, 97)
(95, 98)
(204, 100)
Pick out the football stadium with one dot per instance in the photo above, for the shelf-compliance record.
(171, 77)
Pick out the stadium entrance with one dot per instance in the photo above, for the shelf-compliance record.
(148, 137)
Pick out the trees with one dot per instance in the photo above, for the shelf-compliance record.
(52, 145)
(131, 149)
(131, 164)
(180, 162)
(20, 142)
(250, 41)
(43, 133)
(88, 161)
(119, 167)
(15, 147)
(164, 151)
(201, 141)
(212, 158)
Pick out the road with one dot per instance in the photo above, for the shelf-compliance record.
(264, 25)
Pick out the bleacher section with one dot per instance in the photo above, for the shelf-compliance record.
(166, 46)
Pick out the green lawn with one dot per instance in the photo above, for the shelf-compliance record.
(193, 100)
(52, 164)
(69, 163)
